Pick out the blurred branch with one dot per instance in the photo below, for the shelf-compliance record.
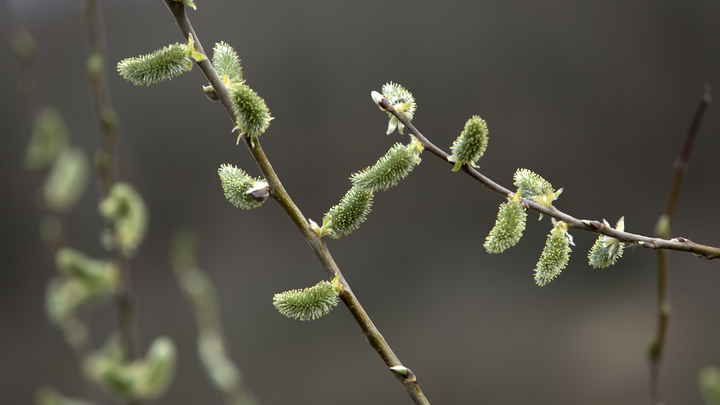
(201, 294)
(318, 245)
(32, 92)
(681, 244)
(657, 346)
(107, 164)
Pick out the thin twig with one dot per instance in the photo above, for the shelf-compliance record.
(682, 244)
(107, 167)
(317, 244)
(32, 91)
(657, 348)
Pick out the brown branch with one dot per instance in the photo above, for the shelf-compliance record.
(107, 169)
(657, 348)
(317, 244)
(681, 244)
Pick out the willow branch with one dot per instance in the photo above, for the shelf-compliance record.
(657, 349)
(32, 91)
(107, 169)
(681, 244)
(317, 244)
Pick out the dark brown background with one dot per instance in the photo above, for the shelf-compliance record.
(595, 96)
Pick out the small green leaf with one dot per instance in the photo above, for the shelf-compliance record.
(307, 304)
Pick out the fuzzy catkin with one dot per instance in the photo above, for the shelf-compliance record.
(156, 67)
(307, 304)
(350, 212)
(531, 184)
(235, 184)
(253, 115)
(397, 163)
(226, 62)
(508, 228)
(471, 144)
(553, 259)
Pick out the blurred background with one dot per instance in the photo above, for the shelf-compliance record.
(595, 96)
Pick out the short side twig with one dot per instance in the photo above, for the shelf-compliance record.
(682, 244)
(317, 244)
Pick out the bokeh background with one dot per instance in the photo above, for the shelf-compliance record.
(596, 96)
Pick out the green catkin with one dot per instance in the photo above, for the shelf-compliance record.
(96, 275)
(403, 102)
(554, 257)
(49, 138)
(607, 250)
(471, 144)
(126, 209)
(227, 63)
(350, 212)
(398, 95)
(158, 66)
(236, 184)
(307, 304)
(67, 179)
(397, 163)
(252, 114)
(508, 228)
(530, 184)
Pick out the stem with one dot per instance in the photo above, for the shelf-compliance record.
(317, 244)
(32, 91)
(680, 168)
(107, 169)
(682, 244)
